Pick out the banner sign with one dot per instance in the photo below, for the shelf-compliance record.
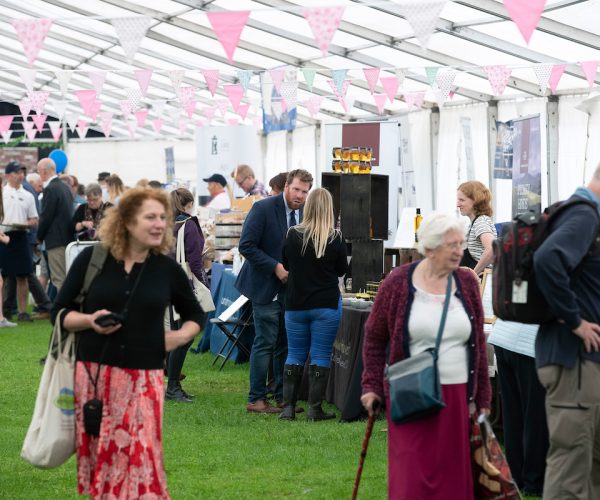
(503, 159)
(526, 166)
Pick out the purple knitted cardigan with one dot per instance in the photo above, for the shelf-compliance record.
(387, 325)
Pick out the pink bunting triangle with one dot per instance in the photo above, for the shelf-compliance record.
(29, 130)
(590, 68)
(94, 109)
(5, 123)
(157, 125)
(183, 123)
(338, 94)
(372, 76)
(106, 119)
(323, 21)
(97, 78)
(24, 107)
(140, 117)
(131, 127)
(39, 121)
(82, 128)
(143, 77)
(222, 105)
(32, 33)
(526, 14)
(313, 104)
(38, 100)
(380, 101)
(243, 110)
(414, 99)
(390, 85)
(27, 125)
(190, 107)
(209, 113)
(211, 76)
(277, 77)
(498, 77)
(235, 93)
(228, 27)
(86, 100)
(125, 106)
(55, 130)
(233, 121)
(557, 72)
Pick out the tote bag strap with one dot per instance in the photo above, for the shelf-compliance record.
(438, 340)
(180, 249)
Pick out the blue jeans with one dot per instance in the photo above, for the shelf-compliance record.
(312, 330)
(269, 343)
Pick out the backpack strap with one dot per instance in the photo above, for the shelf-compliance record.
(99, 254)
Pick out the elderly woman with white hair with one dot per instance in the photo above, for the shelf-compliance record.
(430, 457)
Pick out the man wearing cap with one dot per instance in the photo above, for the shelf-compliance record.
(19, 214)
(219, 198)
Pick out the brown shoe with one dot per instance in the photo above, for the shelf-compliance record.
(298, 409)
(262, 406)
(41, 315)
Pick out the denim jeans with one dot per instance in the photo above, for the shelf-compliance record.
(270, 342)
(314, 330)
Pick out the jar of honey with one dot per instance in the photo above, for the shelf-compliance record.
(346, 154)
(336, 165)
(354, 167)
(337, 153)
(364, 167)
(355, 153)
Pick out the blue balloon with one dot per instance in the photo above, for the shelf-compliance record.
(60, 159)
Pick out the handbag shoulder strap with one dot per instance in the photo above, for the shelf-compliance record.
(99, 254)
(438, 340)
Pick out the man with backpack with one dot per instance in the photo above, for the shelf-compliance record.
(567, 270)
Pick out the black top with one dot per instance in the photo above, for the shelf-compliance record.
(140, 343)
(55, 227)
(313, 283)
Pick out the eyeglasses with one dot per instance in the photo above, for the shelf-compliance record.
(240, 182)
(457, 245)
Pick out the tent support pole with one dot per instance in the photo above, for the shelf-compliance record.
(492, 131)
(434, 136)
(552, 141)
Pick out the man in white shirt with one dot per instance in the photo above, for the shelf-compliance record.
(19, 213)
(219, 197)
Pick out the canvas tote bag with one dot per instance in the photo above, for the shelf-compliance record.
(50, 439)
(201, 292)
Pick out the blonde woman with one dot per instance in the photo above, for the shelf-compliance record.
(314, 254)
(116, 188)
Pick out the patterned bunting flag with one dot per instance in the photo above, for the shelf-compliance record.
(228, 27)
(414, 100)
(125, 106)
(341, 94)
(176, 76)
(431, 72)
(183, 124)
(209, 113)
(106, 119)
(134, 96)
(211, 77)
(222, 105)
(39, 121)
(313, 104)
(339, 75)
(38, 100)
(309, 77)
(498, 77)
(24, 107)
(97, 78)
(323, 21)
(190, 107)
(130, 32)
(372, 76)
(542, 73)
(289, 93)
(32, 33)
(422, 15)
(444, 81)
(143, 77)
(244, 76)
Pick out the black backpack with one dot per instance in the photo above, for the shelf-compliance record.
(516, 296)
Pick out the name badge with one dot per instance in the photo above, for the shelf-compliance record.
(519, 292)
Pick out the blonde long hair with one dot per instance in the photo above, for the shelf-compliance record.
(317, 226)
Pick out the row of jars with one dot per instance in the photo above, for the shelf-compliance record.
(351, 167)
(354, 153)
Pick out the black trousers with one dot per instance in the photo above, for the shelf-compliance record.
(176, 357)
(35, 287)
(524, 418)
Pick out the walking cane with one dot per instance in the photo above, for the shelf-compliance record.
(365, 445)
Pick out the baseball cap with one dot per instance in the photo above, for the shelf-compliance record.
(216, 178)
(103, 175)
(13, 166)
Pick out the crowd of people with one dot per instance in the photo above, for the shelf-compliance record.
(131, 334)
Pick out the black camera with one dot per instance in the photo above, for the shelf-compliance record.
(110, 319)
(92, 417)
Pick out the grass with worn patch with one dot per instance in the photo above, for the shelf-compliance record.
(213, 448)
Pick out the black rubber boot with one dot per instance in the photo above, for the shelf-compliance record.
(292, 377)
(176, 393)
(317, 383)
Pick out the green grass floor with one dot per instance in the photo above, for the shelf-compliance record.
(213, 448)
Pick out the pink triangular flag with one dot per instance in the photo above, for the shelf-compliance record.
(211, 76)
(200, 123)
(323, 21)
(32, 33)
(125, 106)
(186, 94)
(498, 77)
(72, 119)
(414, 99)
(557, 72)
(233, 121)
(30, 131)
(86, 98)
(106, 119)
(27, 125)
(130, 32)
(143, 77)
(141, 116)
(6, 136)
(235, 93)
(590, 68)
(38, 100)
(132, 127)
(222, 105)
(24, 107)
(82, 128)
(390, 85)
(526, 14)
(313, 104)
(371, 75)
(39, 121)
(55, 131)
(380, 101)
(97, 78)
(182, 124)
(5, 123)
(176, 76)
(277, 75)
(94, 109)
(28, 77)
(157, 125)
(243, 110)
(209, 113)
(335, 90)
(190, 107)
(422, 15)
(228, 27)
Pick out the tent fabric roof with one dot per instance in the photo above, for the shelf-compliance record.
(468, 36)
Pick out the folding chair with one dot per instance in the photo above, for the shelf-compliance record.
(233, 329)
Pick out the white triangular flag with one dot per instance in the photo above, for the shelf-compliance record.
(63, 77)
(130, 32)
(60, 107)
(97, 78)
(28, 77)
(422, 15)
(72, 120)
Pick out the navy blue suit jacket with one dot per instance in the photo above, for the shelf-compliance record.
(261, 244)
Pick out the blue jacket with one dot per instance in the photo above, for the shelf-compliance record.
(261, 244)
(569, 278)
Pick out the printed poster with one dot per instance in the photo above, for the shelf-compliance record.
(526, 166)
(503, 159)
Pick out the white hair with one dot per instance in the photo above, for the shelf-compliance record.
(434, 228)
(33, 177)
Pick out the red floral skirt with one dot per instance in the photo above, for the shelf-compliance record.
(126, 460)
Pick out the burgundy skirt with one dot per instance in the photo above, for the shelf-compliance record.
(430, 458)
(126, 460)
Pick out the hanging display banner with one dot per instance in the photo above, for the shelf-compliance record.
(275, 117)
(526, 165)
(170, 163)
(503, 159)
